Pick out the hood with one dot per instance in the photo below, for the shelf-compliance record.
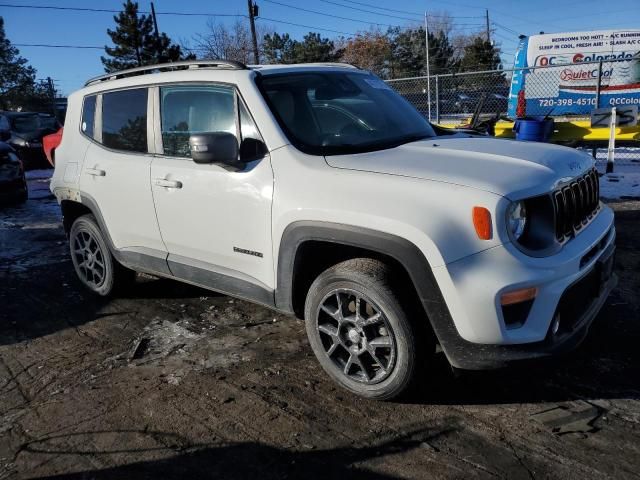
(505, 167)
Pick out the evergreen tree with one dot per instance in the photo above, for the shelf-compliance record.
(283, 49)
(408, 52)
(278, 48)
(17, 79)
(480, 55)
(135, 44)
(313, 48)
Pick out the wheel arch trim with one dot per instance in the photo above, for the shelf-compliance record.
(401, 250)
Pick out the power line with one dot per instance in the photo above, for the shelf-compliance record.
(507, 29)
(327, 14)
(307, 26)
(383, 8)
(46, 45)
(369, 11)
(405, 11)
(498, 34)
(105, 10)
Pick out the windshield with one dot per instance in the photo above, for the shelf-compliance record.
(337, 112)
(32, 123)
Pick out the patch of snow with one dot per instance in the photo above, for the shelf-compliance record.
(620, 184)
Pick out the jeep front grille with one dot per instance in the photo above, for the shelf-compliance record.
(575, 204)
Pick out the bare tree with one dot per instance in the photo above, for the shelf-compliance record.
(230, 42)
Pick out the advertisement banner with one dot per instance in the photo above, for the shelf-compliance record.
(566, 80)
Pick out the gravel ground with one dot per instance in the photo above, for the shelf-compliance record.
(171, 381)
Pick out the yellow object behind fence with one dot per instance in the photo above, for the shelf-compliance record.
(571, 131)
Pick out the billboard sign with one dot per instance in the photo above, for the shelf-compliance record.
(569, 84)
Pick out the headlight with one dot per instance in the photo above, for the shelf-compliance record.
(516, 219)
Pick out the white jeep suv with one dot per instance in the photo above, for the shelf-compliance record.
(316, 190)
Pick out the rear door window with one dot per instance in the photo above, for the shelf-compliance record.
(124, 120)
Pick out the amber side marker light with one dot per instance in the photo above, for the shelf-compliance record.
(482, 222)
(518, 296)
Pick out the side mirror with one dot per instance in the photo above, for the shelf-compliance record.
(214, 147)
(5, 135)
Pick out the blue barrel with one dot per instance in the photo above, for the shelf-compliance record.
(533, 129)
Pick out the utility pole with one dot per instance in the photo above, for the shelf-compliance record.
(52, 95)
(253, 12)
(156, 33)
(488, 29)
(426, 43)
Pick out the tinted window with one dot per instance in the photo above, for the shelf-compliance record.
(24, 123)
(194, 109)
(336, 113)
(124, 120)
(88, 115)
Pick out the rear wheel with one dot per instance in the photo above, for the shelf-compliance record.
(359, 330)
(95, 266)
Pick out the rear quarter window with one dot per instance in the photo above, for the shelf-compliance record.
(88, 115)
(124, 120)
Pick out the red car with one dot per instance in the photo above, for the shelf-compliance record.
(50, 143)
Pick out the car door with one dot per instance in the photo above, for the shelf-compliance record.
(214, 220)
(116, 168)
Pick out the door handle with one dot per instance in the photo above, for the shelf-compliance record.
(161, 182)
(96, 172)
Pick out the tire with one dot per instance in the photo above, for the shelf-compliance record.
(24, 196)
(343, 341)
(92, 260)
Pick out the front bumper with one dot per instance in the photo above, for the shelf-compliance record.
(476, 336)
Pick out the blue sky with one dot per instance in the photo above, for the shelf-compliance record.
(71, 67)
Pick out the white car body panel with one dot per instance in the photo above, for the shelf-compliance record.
(505, 167)
(124, 196)
(215, 211)
(426, 217)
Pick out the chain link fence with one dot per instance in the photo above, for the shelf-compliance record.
(451, 98)
(561, 90)
(566, 92)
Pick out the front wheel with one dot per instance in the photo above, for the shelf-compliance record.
(359, 330)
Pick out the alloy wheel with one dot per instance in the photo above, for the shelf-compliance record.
(89, 259)
(356, 336)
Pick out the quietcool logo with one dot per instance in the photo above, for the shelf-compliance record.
(572, 75)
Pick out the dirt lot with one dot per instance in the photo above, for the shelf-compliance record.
(177, 382)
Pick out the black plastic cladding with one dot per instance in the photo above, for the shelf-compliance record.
(575, 204)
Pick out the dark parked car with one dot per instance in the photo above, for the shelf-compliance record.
(26, 131)
(491, 102)
(13, 185)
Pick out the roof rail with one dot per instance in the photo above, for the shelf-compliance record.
(310, 64)
(186, 64)
(330, 64)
